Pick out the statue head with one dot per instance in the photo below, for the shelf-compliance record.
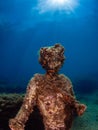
(52, 58)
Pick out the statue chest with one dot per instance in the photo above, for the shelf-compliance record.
(50, 102)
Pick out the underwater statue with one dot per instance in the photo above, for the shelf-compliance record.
(52, 93)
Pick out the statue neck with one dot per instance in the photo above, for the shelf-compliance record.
(51, 74)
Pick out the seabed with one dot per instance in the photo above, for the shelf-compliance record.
(88, 121)
(10, 104)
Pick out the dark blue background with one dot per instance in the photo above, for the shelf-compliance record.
(23, 30)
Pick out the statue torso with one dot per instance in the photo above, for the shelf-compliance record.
(50, 99)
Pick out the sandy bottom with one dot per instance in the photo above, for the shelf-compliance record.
(88, 121)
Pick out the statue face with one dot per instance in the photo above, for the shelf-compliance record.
(52, 58)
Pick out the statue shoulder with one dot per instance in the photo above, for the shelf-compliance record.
(37, 77)
(64, 78)
(67, 84)
(35, 81)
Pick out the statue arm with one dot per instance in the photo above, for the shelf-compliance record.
(18, 123)
(69, 97)
(69, 87)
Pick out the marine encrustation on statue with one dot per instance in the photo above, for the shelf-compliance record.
(52, 93)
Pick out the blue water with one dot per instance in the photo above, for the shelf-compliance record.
(24, 28)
